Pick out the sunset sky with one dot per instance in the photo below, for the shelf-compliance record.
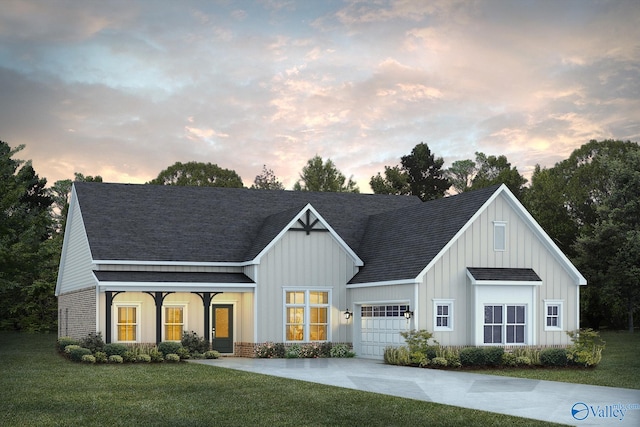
(123, 89)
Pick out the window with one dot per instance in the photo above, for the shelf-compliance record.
(173, 323)
(553, 315)
(499, 236)
(383, 310)
(443, 315)
(501, 329)
(306, 315)
(127, 323)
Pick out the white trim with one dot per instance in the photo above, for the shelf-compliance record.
(172, 263)
(114, 320)
(560, 304)
(386, 283)
(185, 317)
(356, 259)
(306, 305)
(443, 302)
(503, 226)
(173, 287)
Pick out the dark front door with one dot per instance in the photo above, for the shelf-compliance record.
(223, 324)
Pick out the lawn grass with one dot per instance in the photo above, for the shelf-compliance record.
(620, 365)
(38, 387)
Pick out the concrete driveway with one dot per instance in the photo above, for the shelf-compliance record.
(574, 404)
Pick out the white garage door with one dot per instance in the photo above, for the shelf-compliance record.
(380, 327)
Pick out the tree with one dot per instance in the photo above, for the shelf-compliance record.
(198, 174)
(318, 175)
(461, 174)
(395, 181)
(610, 251)
(25, 228)
(267, 180)
(60, 192)
(492, 170)
(426, 178)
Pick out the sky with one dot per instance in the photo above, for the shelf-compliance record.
(124, 89)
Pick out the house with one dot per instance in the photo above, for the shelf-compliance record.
(143, 263)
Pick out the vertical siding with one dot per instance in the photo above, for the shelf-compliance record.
(447, 278)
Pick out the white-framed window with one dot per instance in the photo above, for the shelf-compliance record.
(306, 315)
(174, 321)
(553, 315)
(443, 315)
(505, 324)
(127, 322)
(499, 236)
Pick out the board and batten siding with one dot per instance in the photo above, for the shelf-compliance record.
(447, 278)
(313, 261)
(75, 273)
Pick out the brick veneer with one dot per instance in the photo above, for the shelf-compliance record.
(77, 313)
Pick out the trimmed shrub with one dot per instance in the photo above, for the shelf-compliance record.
(211, 354)
(270, 350)
(77, 352)
(341, 350)
(194, 343)
(553, 357)
(115, 358)
(101, 357)
(325, 349)
(88, 358)
(523, 361)
(129, 356)
(438, 362)
(183, 353)
(493, 355)
(68, 349)
(143, 358)
(293, 352)
(115, 349)
(156, 355)
(169, 347)
(65, 341)
(172, 357)
(473, 356)
(93, 342)
(311, 350)
(509, 359)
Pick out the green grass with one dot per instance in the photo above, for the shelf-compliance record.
(620, 365)
(38, 387)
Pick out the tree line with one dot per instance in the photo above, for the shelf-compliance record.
(589, 204)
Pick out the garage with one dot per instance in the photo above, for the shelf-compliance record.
(380, 327)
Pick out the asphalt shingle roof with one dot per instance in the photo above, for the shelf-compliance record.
(505, 274)
(170, 277)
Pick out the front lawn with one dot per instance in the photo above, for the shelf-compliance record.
(40, 388)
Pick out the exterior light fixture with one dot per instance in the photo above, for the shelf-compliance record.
(408, 314)
(347, 314)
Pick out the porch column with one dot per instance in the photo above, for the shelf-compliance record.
(158, 298)
(206, 302)
(109, 296)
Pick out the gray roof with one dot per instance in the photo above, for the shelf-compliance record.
(505, 274)
(170, 277)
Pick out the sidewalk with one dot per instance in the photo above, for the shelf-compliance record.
(574, 404)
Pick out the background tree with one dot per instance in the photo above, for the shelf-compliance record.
(267, 180)
(60, 192)
(461, 174)
(427, 180)
(319, 175)
(395, 181)
(492, 170)
(198, 174)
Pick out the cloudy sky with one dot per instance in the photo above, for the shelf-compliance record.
(123, 89)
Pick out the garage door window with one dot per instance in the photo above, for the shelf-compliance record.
(383, 310)
(306, 315)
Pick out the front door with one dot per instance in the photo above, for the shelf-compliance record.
(223, 324)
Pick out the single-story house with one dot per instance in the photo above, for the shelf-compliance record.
(240, 267)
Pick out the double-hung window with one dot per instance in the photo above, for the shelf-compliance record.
(306, 315)
(443, 315)
(173, 322)
(127, 323)
(504, 324)
(553, 315)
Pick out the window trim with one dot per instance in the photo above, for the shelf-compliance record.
(505, 324)
(173, 304)
(448, 303)
(500, 225)
(307, 306)
(560, 316)
(138, 328)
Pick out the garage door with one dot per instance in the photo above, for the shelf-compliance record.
(380, 326)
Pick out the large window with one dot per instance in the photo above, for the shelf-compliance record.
(306, 315)
(501, 329)
(443, 315)
(127, 323)
(173, 323)
(553, 315)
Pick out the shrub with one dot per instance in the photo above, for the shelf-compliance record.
(211, 354)
(101, 357)
(77, 352)
(311, 350)
(197, 355)
(115, 349)
(553, 357)
(183, 353)
(508, 359)
(88, 358)
(293, 352)
(115, 358)
(473, 356)
(493, 355)
(586, 349)
(65, 341)
(68, 349)
(325, 349)
(172, 357)
(418, 340)
(143, 358)
(417, 358)
(341, 350)
(439, 362)
(270, 350)
(93, 342)
(129, 356)
(533, 354)
(397, 356)
(194, 343)
(451, 355)
(523, 361)
(169, 347)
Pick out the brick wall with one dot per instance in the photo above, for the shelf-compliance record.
(77, 313)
